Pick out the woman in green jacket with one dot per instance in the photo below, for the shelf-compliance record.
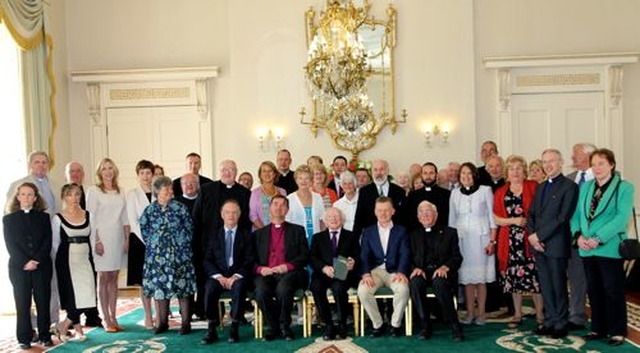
(599, 225)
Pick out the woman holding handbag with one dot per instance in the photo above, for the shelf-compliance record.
(599, 225)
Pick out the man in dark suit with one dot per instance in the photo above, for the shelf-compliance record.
(339, 166)
(435, 259)
(488, 149)
(193, 163)
(581, 158)
(206, 211)
(285, 181)
(325, 247)
(228, 263)
(385, 259)
(280, 268)
(432, 193)
(368, 194)
(550, 237)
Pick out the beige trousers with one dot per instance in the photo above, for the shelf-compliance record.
(400, 290)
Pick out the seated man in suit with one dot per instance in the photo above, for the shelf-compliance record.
(385, 261)
(435, 259)
(228, 263)
(325, 247)
(280, 268)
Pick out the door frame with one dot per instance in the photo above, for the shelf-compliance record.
(561, 74)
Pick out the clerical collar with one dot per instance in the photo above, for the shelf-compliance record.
(27, 210)
(427, 229)
(185, 196)
(228, 186)
(468, 190)
(278, 225)
(550, 179)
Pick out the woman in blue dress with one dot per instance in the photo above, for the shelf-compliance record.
(167, 229)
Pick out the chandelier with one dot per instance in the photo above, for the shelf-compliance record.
(349, 72)
(337, 67)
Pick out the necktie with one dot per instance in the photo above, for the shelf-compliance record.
(228, 247)
(334, 242)
(582, 178)
(380, 192)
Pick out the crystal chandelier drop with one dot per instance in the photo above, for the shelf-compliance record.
(337, 67)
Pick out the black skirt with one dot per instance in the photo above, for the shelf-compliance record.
(135, 259)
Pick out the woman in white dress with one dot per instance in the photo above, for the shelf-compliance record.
(471, 213)
(72, 235)
(137, 200)
(106, 201)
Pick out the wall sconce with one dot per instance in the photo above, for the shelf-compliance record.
(265, 136)
(431, 130)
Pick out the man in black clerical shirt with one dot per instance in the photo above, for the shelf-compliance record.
(285, 181)
(435, 260)
(430, 192)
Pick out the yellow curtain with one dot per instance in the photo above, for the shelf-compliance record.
(25, 20)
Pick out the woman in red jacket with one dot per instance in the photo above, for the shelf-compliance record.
(518, 273)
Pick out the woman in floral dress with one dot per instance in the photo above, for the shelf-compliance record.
(167, 229)
(518, 273)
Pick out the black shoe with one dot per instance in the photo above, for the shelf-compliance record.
(615, 341)
(342, 332)
(287, 334)
(47, 343)
(329, 334)
(93, 322)
(233, 333)
(543, 331)
(575, 327)
(210, 337)
(592, 336)
(162, 328)
(25, 345)
(396, 332)
(458, 336)
(425, 334)
(185, 329)
(377, 332)
(560, 333)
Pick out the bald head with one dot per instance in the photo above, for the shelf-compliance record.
(74, 173)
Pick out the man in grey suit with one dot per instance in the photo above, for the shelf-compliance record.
(550, 238)
(581, 158)
(49, 189)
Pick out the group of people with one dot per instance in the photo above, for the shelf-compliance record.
(194, 238)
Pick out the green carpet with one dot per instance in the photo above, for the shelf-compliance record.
(491, 337)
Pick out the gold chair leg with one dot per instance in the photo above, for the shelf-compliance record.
(408, 320)
(361, 320)
(356, 319)
(305, 317)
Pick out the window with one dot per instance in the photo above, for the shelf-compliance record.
(12, 142)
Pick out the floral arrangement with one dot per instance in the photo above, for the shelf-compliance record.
(352, 166)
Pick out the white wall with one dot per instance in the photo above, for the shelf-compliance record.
(261, 49)
(543, 27)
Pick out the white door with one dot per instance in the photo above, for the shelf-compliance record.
(163, 135)
(555, 120)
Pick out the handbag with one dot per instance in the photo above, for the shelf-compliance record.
(629, 249)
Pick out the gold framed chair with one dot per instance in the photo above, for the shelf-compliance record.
(298, 296)
(353, 300)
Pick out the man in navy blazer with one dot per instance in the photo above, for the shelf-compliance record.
(228, 263)
(325, 247)
(385, 260)
(550, 237)
(281, 257)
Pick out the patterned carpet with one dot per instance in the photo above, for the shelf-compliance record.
(494, 336)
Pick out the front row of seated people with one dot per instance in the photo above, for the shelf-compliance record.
(388, 256)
